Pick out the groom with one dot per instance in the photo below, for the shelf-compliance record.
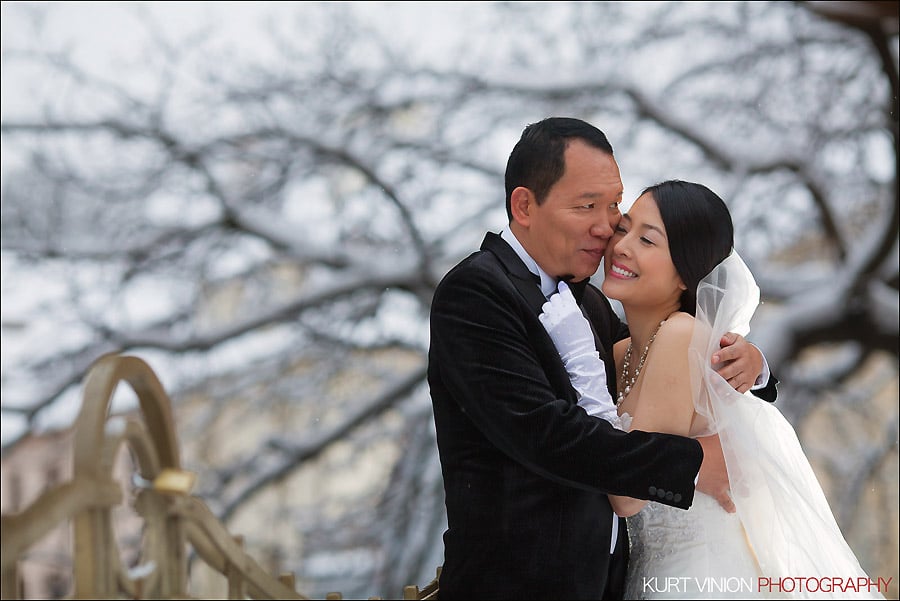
(526, 471)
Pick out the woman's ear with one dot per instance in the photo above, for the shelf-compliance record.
(520, 203)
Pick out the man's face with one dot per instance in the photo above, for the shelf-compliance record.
(567, 235)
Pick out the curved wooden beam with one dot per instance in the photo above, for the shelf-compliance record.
(97, 567)
(156, 407)
(219, 549)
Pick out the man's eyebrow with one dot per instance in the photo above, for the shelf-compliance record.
(600, 195)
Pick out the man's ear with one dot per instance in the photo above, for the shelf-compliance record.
(521, 203)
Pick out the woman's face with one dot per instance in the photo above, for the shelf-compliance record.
(637, 265)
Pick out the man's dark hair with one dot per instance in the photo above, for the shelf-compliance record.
(699, 229)
(538, 159)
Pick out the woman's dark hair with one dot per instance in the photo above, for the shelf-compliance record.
(537, 161)
(700, 232)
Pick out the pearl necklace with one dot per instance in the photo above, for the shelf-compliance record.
(627, 384)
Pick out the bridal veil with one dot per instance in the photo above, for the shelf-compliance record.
(785, 514)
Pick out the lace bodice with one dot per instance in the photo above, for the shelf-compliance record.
(698, 553)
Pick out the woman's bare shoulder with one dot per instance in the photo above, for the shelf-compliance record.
(679, 319)
(677, 329)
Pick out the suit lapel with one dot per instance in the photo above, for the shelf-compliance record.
(518, 273)
(598, 342)
(524, 282)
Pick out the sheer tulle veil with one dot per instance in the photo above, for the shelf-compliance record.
(785, 514)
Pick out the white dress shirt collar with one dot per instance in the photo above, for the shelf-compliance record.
(548, 284)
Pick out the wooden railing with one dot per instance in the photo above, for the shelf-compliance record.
(173, 519)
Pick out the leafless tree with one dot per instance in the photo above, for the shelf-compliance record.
(283, 217)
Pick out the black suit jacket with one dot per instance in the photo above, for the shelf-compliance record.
(526, 470)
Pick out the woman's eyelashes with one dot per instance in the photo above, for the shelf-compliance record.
(622, 231)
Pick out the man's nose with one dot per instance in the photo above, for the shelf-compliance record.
(602, 229)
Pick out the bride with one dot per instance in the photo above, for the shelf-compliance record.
(671, 265)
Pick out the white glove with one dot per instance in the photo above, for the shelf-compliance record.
(574, 340)
(567, 326)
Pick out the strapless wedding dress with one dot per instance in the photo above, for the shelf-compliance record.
(700, 553)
